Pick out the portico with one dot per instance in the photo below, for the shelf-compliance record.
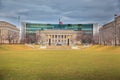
(58, 37)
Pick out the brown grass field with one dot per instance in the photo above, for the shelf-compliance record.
(20, 62)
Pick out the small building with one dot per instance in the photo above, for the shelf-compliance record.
(9, 33)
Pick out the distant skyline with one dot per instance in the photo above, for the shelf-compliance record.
(49, 11)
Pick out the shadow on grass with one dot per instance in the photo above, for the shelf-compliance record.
(2, 76)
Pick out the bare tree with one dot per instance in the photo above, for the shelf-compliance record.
(12, 37)
(0, 37)
(30, 38)
(96, 38)
(87, 38)
(119, 35)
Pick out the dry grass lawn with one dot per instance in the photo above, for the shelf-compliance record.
(20, 62)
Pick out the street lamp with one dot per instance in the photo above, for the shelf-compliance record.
(115, 36)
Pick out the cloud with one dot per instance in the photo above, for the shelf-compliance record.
(71, 11)
(0, 4)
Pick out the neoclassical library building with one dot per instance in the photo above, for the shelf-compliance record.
(57, 34)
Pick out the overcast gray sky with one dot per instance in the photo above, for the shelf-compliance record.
(49, 11)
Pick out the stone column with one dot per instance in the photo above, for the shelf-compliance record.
(49, 40)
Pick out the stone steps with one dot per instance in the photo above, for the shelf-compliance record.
(58, 47)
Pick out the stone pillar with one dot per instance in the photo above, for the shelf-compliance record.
(66, 39)
(49, 40)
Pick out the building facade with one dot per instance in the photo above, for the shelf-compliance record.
(109, 34)
(59, 37)
(36, 33)
(9, 33)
